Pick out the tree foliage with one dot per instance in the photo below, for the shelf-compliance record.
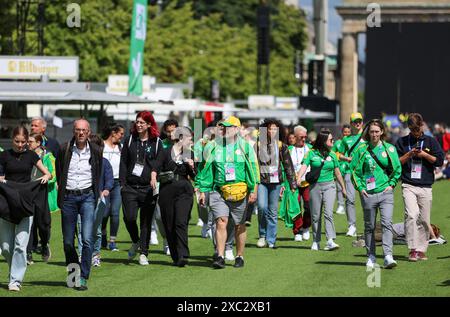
(211, 39)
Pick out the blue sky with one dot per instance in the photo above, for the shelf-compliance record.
(335, 23)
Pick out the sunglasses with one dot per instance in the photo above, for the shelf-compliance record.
(357, 121)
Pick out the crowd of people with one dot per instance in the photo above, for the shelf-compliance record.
(233, 171)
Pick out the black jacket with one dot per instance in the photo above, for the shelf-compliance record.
(19, 200)
(432, 147)
(51, 145)
(264, 155)
(62, 168)
(128, 158)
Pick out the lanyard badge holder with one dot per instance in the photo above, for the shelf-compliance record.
(416, 164)
(139, 165)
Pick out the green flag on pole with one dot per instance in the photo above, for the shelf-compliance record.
(138, 34)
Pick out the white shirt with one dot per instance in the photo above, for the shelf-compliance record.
(113, 156)
(79, 175)
(297, 155)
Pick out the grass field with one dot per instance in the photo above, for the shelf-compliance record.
(291, 270)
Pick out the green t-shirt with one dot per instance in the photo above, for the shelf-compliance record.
(368, 175)
(314, 159)
(228, 164)
(347, 144)
(338, 147)
(166, 143)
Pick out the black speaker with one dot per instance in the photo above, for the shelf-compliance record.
(263, 34)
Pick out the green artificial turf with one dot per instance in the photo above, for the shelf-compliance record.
(291, 270)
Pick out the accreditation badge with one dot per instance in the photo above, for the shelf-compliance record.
(370, 183)
(273, 172)
(138, 169)
(416, 169)
(230, 172)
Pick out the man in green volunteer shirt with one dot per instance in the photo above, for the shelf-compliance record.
(376, 169)
(229, 160)
(339, 149)
(349, 145)
(168, 127)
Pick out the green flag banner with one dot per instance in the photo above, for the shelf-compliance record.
(138, 34)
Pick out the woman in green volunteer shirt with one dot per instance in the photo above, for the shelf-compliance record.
(376, 170)
(323, 191)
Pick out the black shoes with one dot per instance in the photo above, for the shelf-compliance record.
(30, 259)
(219, 263)
(46, 254)
(181, 262)
(238, 262)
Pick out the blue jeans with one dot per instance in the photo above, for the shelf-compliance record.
(114, 203)
(98, 217)
(74, 205)
(268, 196)
(13, 243)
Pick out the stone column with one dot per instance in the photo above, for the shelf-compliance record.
(349, 77)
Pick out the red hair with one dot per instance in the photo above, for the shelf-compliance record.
(147, 116)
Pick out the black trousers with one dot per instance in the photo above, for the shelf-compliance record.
(42, 225)
(249, 211)
(175, 202)
(134, 199)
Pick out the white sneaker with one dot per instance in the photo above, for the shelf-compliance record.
(298, 237)
(209, 234)
(437, 241)
(315, 246)
(143, 260)
(132, 251)
(154, 238)
(305, 235)
(371, 261)
(229, 256)
(340, 210)
(166, 249)
(261, 242)
(331, 245)
(96, 260)
(351, 231)
(14, 287)
(200, 223)
(389, 262)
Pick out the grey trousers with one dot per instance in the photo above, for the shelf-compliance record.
(340, 196)
(385, 203)
(157, 224)
(350, 201)
(322, 195)
(207, 217)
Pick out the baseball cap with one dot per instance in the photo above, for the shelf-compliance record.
(231, 121)
(356, 116)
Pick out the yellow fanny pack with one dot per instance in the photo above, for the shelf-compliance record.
(234, 192)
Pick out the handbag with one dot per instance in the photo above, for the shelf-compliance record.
(313, 175)
(234, 192)
(165, 177)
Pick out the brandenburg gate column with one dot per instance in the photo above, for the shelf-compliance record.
(349, 68)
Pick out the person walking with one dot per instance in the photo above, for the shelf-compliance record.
(112, 137)
(349, 144)
(78, 168)
(175, 167)
(231, 175)
(303, 222)
(376, 170)
(39, 126)
(137, 157)
(419, 155)
(16, 165)
(324, 171)
(42, 218)
(272, 153)
(339, 149)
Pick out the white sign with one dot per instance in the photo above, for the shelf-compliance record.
(118, 84)
(288, 103)
(33, 67)
(58, 122)
(261, 102)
